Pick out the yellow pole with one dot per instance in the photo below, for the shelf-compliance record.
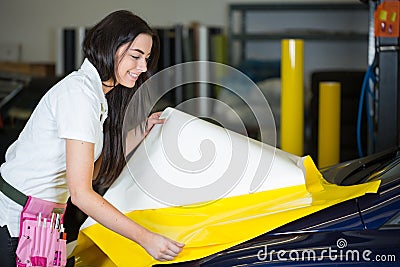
(329, 124)
(292, 98)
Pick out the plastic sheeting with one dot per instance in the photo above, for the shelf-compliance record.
(293, 188)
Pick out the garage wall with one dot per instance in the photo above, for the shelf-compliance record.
(33, 24)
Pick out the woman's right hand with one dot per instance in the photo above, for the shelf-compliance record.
(162, 248)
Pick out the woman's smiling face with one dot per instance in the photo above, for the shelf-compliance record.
(131, 64)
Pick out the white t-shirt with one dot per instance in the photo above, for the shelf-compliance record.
(74, 108)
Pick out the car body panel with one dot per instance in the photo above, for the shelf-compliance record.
(359, 232)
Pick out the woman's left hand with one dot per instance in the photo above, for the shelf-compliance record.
(135, 136)
(152, 120)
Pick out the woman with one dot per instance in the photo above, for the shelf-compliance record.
(65, 145)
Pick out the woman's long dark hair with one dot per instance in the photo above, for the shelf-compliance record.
(99, 47)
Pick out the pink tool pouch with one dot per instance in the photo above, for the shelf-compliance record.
(42, 240)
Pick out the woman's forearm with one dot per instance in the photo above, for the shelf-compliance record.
(133, 139)
(106, 214)
(80, 171)
(135, 136)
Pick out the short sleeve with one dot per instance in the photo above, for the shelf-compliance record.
(77, 115)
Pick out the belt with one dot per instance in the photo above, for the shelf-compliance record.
(12, 193)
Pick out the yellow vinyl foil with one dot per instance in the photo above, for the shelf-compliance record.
(210, 228)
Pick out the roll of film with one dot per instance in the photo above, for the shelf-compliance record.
(329, 124)
(292, 99)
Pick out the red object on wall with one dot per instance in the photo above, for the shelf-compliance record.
(386, 18)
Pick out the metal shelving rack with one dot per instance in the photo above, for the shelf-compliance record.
(243, 10)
